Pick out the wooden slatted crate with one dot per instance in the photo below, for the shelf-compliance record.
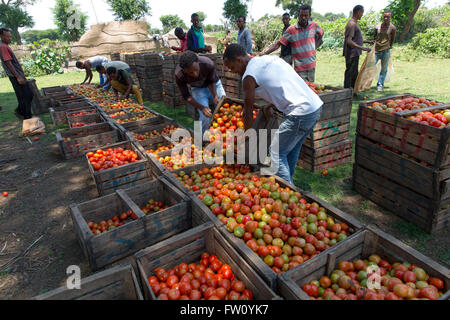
(360, 246)
(76, 142)
(52, 90)
(87, 119)
(187, 248)
(418, 193)
(423, 142)
(116, 283)
(257, 263)
(318, 159)
(109, 180)
(39, 104)
(59, 114)
(123, 241)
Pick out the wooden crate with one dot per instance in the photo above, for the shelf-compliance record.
(39, 104)
(76, 142)
(329, 131)
(257, 263)
(122, 242)
(147, 126)
(59, 115)
(128, 175)
(318, 159)
(116, 283)
(336, 104)
(417, 140)
(86, 118)
(360, 246)
(411, 190)
(130, 126)
(192, 111)
(148, 60)
(51, 90)
(153, 144)
(187, 248)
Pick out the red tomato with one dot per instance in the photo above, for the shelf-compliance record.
(173, 294)
(438, 283)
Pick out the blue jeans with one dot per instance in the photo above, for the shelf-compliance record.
(102, 79)
(290, 137)
(203, 96)
(384, 57)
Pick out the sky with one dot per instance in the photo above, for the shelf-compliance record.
(99, 11)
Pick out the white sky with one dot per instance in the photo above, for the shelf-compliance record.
(43, 18)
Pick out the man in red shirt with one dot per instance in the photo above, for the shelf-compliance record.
(304, 37)
(14, 71)
(179, 32)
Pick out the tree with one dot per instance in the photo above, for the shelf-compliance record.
(292, 6)
(403, 12)
(232, 9)
(171, 21)
(69, 20)
(201, 16)
(13, 17)
(129, 9)
(31, 36)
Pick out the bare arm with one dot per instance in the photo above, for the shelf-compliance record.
(213, 89)
(249, 86)
(350, 42)
(394, 31)
(274, 47)
(319, 41)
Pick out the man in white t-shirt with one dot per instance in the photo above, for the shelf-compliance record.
(91, 64)
(272, 79)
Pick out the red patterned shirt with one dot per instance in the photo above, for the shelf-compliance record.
(303, 44)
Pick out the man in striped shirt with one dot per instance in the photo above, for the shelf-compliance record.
(304, 37)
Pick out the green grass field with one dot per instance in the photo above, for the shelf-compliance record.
(424, 77)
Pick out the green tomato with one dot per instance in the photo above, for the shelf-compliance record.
(335, 287)
(230, 213)
(182, 173)
(332, 242)
(315, 282)
(421, 284)
(208, 200)
(285, 258)
(334, 277)
(278, 242)
(364, 283)
(288, 220)
(239, 218)
(261, 224)
(239, 232)
(311, 218)
(321, 291)
(258, 233)
(268, 260)
(341, 237)
(312, 228)
(361, 275)
(293, 199)
(275, 195)
(321, 215)
(266, 217)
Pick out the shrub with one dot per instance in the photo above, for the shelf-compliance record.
(265, 31)
(434, 41)
(47, 57)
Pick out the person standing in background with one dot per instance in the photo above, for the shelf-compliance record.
(353, 47)
(91, 64)
(304, 37)
(182, 36)
(244, 37)
(286, 53)
(14, 71)
(384, 40)
(195, 38)
(227, 40)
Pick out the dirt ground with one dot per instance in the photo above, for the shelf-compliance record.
(37, 241)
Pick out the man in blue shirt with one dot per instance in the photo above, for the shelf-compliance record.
(244, 37)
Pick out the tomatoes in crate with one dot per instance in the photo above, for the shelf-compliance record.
(153, 206)
(111, 158)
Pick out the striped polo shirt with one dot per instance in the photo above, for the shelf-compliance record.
(303, 44)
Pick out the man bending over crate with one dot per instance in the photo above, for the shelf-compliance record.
(122, 82)
(90, 64)
(119, 65)
(272, 79)
(200, 74)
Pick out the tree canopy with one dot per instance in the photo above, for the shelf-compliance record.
(129, 9)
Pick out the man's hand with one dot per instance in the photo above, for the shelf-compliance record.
(268, 111)
(207, 112)
(367, 49)
(21, 80)
(216, 100)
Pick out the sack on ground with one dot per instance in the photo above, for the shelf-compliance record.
(32, 127)
(367, 72)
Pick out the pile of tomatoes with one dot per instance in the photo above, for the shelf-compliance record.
(153, 206)
(82, 124)
(111, 158)
(117, 114)
(275, 222)
(178, 160)
(396, 281)
(167, 130)
(209, 280)
(437, 119)
(317, 88)
(140, 116)
(160, 148)
(111, 224)
(123, 104)
(137, 109)
(400, 105)
(81, 113)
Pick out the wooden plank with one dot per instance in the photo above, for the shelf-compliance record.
(117, 283)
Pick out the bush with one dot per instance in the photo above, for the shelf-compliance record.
(429, 18)
(47, 57)
(434, 41)
(265, 31)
